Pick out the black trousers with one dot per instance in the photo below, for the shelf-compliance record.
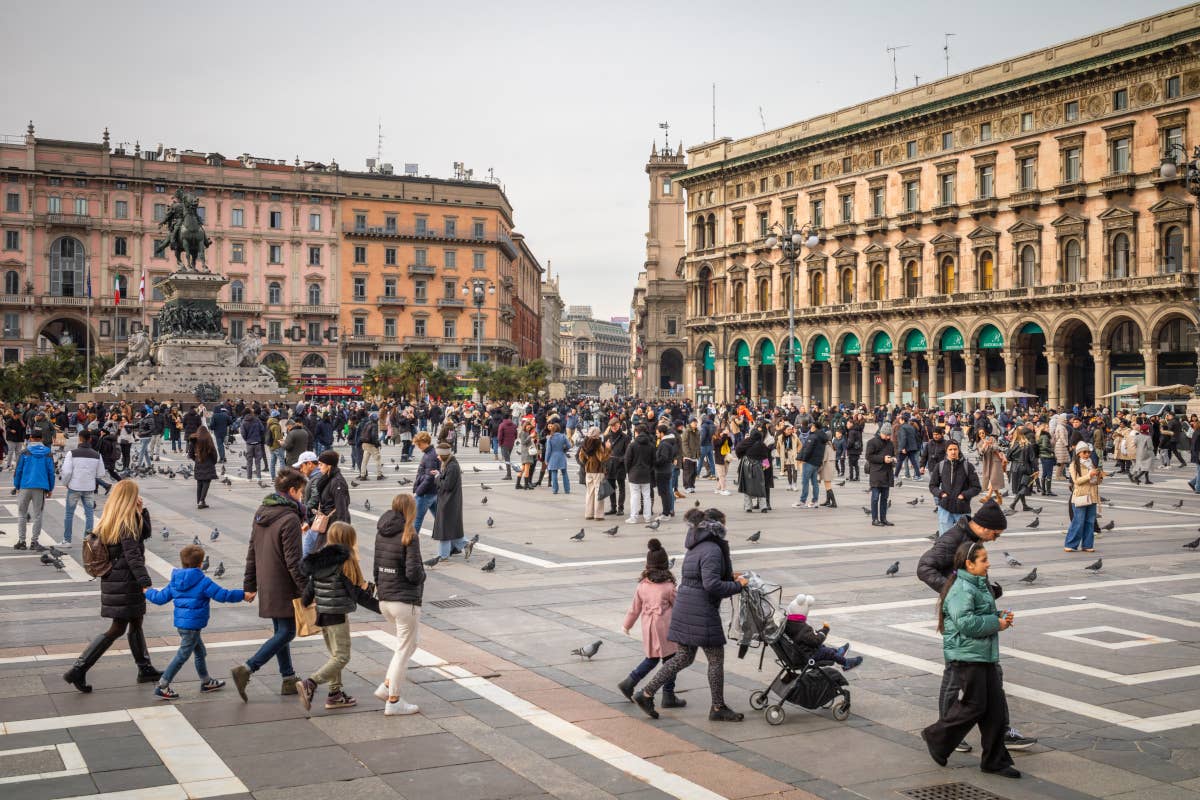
(202, 490)
(126, 447)
(616, 500)
(879, 501)
(662, 486)
(852, 463)
(978, 701)
(689, 473)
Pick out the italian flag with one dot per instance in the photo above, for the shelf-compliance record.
(117, 290)
(142, 288)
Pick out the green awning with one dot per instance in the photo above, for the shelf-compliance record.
(768, 353)
(1032, 328)
(990, 338)
(821, 348)
(797, 350)
(851, 346)
(743, 354)
(710, 358)
(915, 342)
(952, 339)
(882, 344)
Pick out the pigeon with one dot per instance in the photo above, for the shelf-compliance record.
(1012, 562)
(1031, 577)
(893, 569)
(866, 510)
(1105, 500)
(220, 570)
(469, 547)
(196, 540)
(222, 472)
(589, 651)
(578, 537)
(477, 469)
(354, 484)
(1194, 544)
(165, 533)
(671, 563)
(899, 484)
(47, 559)
(1037, 521)
(1037, 510)
(396, 468)
(490, 522)
(59, 565)
(1178, 505)
(262, 484)
(922, 499)
(367, 505)
(1148, 505)
(613, 530)
(1109, 525)
(433, 561)
(216, 534)
(227, 482)
(754, 537)
(654, 525)
(913, 502)
(933, 537)
(404, 481)
(490, 566)
(483, 501)
(204, 567)
(1096, 566)
(484, 486)
(841, 483)
(697, 504)
(392, 460)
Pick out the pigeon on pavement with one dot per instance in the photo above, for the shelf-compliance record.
(754, 537)
(196, 540)
(476, 469)
(483, 500)
(1109, 525)
(579, 536)
(1031, 577)
(220, 569)
(1192, 545)
(484, 486)
(1037, 521)
(893, 569)
(1095, 567)
(1037, 510)
(1178, 505)
(589, 651)
(216, 534)
(654, 525)
(1012, 562)
(490, 522)
(165, 533)
(367, 504)
(1148, 505)
(613, 530)
(490, 566)
(204, 567)
(912, 502)
(433, 561)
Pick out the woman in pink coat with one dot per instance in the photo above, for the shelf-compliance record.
(653, 601)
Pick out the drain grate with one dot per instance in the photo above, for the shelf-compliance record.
(459, 602)
(950, 791)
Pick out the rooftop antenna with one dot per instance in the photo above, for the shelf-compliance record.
(895, 75)
(916, 80)
(714, 114)
(946, 50)
(379, 143)
(762, 118)
(666, 126)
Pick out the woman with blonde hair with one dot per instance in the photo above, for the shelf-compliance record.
(123, 528)
(399, 585)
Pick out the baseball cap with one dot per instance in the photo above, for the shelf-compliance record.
(307, 457)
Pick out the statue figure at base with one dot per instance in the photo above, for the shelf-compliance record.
(139, 353)
(249, 350)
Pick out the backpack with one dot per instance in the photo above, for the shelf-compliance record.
(95, 556)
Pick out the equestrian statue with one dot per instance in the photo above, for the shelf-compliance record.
(185, 233)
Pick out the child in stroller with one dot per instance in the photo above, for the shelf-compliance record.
(812, 642)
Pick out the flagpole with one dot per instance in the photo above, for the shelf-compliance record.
(88, 335)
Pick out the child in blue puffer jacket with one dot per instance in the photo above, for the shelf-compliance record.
(191, 590)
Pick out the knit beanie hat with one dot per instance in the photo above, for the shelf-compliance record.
(656, 556)
(885, 429)
(443, 449)
(800, 605)
(991, 516)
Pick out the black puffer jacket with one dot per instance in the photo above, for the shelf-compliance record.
(399, 573)
(639, 460)
(326, 582)
(121, 589)
(706, 580)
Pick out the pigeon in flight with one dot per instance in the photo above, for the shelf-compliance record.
(1031, 577)
(754, 537)
(613, 530)
(578, 537)
(220, 569)
(1148, 505)
(1109, 525)
(1012, 561)
(1194, 544)
(1037, 521)
(589, 651)
(893, 569)
(654, 525)
(490, 566)
(216, 534)
(1095, 567)
(490, 522)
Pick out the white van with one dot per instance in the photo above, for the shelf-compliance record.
(1157, 408)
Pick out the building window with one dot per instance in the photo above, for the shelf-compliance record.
(419, 326)
(987, 182)
(449, 329)
(450, 224)
(1173, 250)
(389, 223)
(160, 212)
(946, 188)
(448, 288)
(314, 221)
(1072, 165)
(1072, 262)
(763, 224)
(739, 230)
(739, 297)
(12, 325)
(818, 171)
(237, 292)
(274, 332)
(389, 287)
(120, 246)
(877, 157)
(877, 202)
(912, 279)
(422, 228)
(818, 213)
(449, 361)
(847, 165)
(389, 327)
(12, 202)
(360, 326)
(788, 179)
(477, 329)
(360, 359)
(1120, 99)
(912, 195)
(1026, 121)
(12, 240)
(314, 256)
(947, 276)
(54, 204)
(1172, 139)
(816, 288)
(1120, 155)
(1071, 111)
(910, 149)
(764, 294)
(360, 289)
(67, 266)
(1027, 267)
(479, 261)
(947, 140)
(237, 218)
(121, 209)
(81, 206)
(985, 280)
(314, 334)
(237, 330)
(274, 293)
(477, 229)
(450, 258)
(985, 131)
(878, 282)
(847, 208)
(314, 294)
(737, 191)
(421, 257)
(1120, 256)
(237, 253)
(672, 326)
(420, 291)
(846, 287)
(360, 222)
(389, 256)
(12, 282)
(276, 219)
(762, 185)
(275, 254)
(1172, 87)
(360, 254)
(1027, 173)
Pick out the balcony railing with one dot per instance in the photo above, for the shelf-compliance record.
(451, 302)
(436, 234)
(360, 338)
(1120, 182)
(984, 205)
(58, 300)
(1027, 198)
(945, 212)
(1067, 192)
(16, 300)
(316, 310)
(66, 220)
(421, 269)
(391, 300)
(242, 308)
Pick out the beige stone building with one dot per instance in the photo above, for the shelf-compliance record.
(1006, 228)
(552, 314)
(594, 352)
(658, 338)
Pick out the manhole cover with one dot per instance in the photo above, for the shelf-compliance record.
(950, 791)
(455, 603)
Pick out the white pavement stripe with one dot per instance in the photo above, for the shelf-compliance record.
(190, 759)
(47, 595)
(72, 760)
(481, 546)
(62, 582)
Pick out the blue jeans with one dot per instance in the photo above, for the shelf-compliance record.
(278, 456)
(1083, 528)
(425, 503)
(278, 646)
(646, 667)
(143, 458)
(89, 511)
(445, 546)
(947, 520)
(808, 477)
(190, 645)
(318, 448)
(675, 479)
(219, 438)
(1195, 481)
(706, 458)
(566, 482)
(908, 458)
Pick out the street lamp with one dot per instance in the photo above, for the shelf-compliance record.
(1169, 170)
(478, 289)
(790, 239)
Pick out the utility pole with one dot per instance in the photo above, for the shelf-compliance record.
(946, 50)
(895, 74)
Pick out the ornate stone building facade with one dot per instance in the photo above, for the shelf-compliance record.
(1006, 228)
(551, 321)
(594, 352)
(658, 338)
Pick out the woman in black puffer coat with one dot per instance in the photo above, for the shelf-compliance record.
(203, 451)
(399, 585)
(707, 578)
(124, 528)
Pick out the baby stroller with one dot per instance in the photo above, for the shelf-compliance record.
(802, 680)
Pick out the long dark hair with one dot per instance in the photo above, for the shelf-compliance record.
(205, 448)
(966, 552)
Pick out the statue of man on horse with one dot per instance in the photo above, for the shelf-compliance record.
(185, 233)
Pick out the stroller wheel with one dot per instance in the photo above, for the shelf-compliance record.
(841, 710)
(758, 700)
(775, 715)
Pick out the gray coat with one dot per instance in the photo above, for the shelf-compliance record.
(448, 523)
(1143, 450)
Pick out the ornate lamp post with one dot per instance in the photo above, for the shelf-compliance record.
(478, 289)
(1169, 170)
(789, 240)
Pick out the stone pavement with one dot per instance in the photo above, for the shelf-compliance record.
(1104, 668)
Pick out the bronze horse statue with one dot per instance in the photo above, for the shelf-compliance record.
(186, 233)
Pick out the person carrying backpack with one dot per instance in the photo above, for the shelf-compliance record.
(33, 480)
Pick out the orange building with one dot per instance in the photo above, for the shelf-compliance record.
(414, 249)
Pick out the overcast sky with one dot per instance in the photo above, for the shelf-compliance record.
(561, 98)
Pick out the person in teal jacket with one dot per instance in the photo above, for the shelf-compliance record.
(970, 626)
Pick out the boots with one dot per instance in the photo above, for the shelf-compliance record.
(141, 656)
(831, 501)
(508, 472)
(1047, 483)
(826, 503)
(77, 674)
(670, 700)
(626, 687)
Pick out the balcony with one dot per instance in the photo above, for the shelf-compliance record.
(451, 302)
(391, 300)
(10, 300)
(66, 220)
(1026, 198)
(947, 212)
(59, 300)
(982, 206)
(421, 269)
(1115, 184)
(241, 308)
(423, 341)
(875, 225)
(843, 230)
(316, 311)
(362, 339)
(908, 219)
(436, 234)
(1068, 192)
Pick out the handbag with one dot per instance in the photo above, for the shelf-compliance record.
(485, 444)
(605, 489)
(320, 522)
(306, 618)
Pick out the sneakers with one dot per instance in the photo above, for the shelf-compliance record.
(725, 714)
(632, 521)
(289, 685)
(399, 709)
(20, 546)
(339, 699)
(841, 651)
(724, 493)
(165, 693)
(381, 691)
(37, 547)
(1013, 740)
(241, 679)
(851, 663)
(963, 747)
(306, 689)
(211, 685)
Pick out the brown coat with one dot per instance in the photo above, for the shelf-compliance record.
(273, 559)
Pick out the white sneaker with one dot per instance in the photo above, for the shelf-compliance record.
(399, 709)
(797, 505)
(632, 521)
(382, 691)
(725, 492)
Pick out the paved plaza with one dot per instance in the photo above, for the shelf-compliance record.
(1104, 669)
